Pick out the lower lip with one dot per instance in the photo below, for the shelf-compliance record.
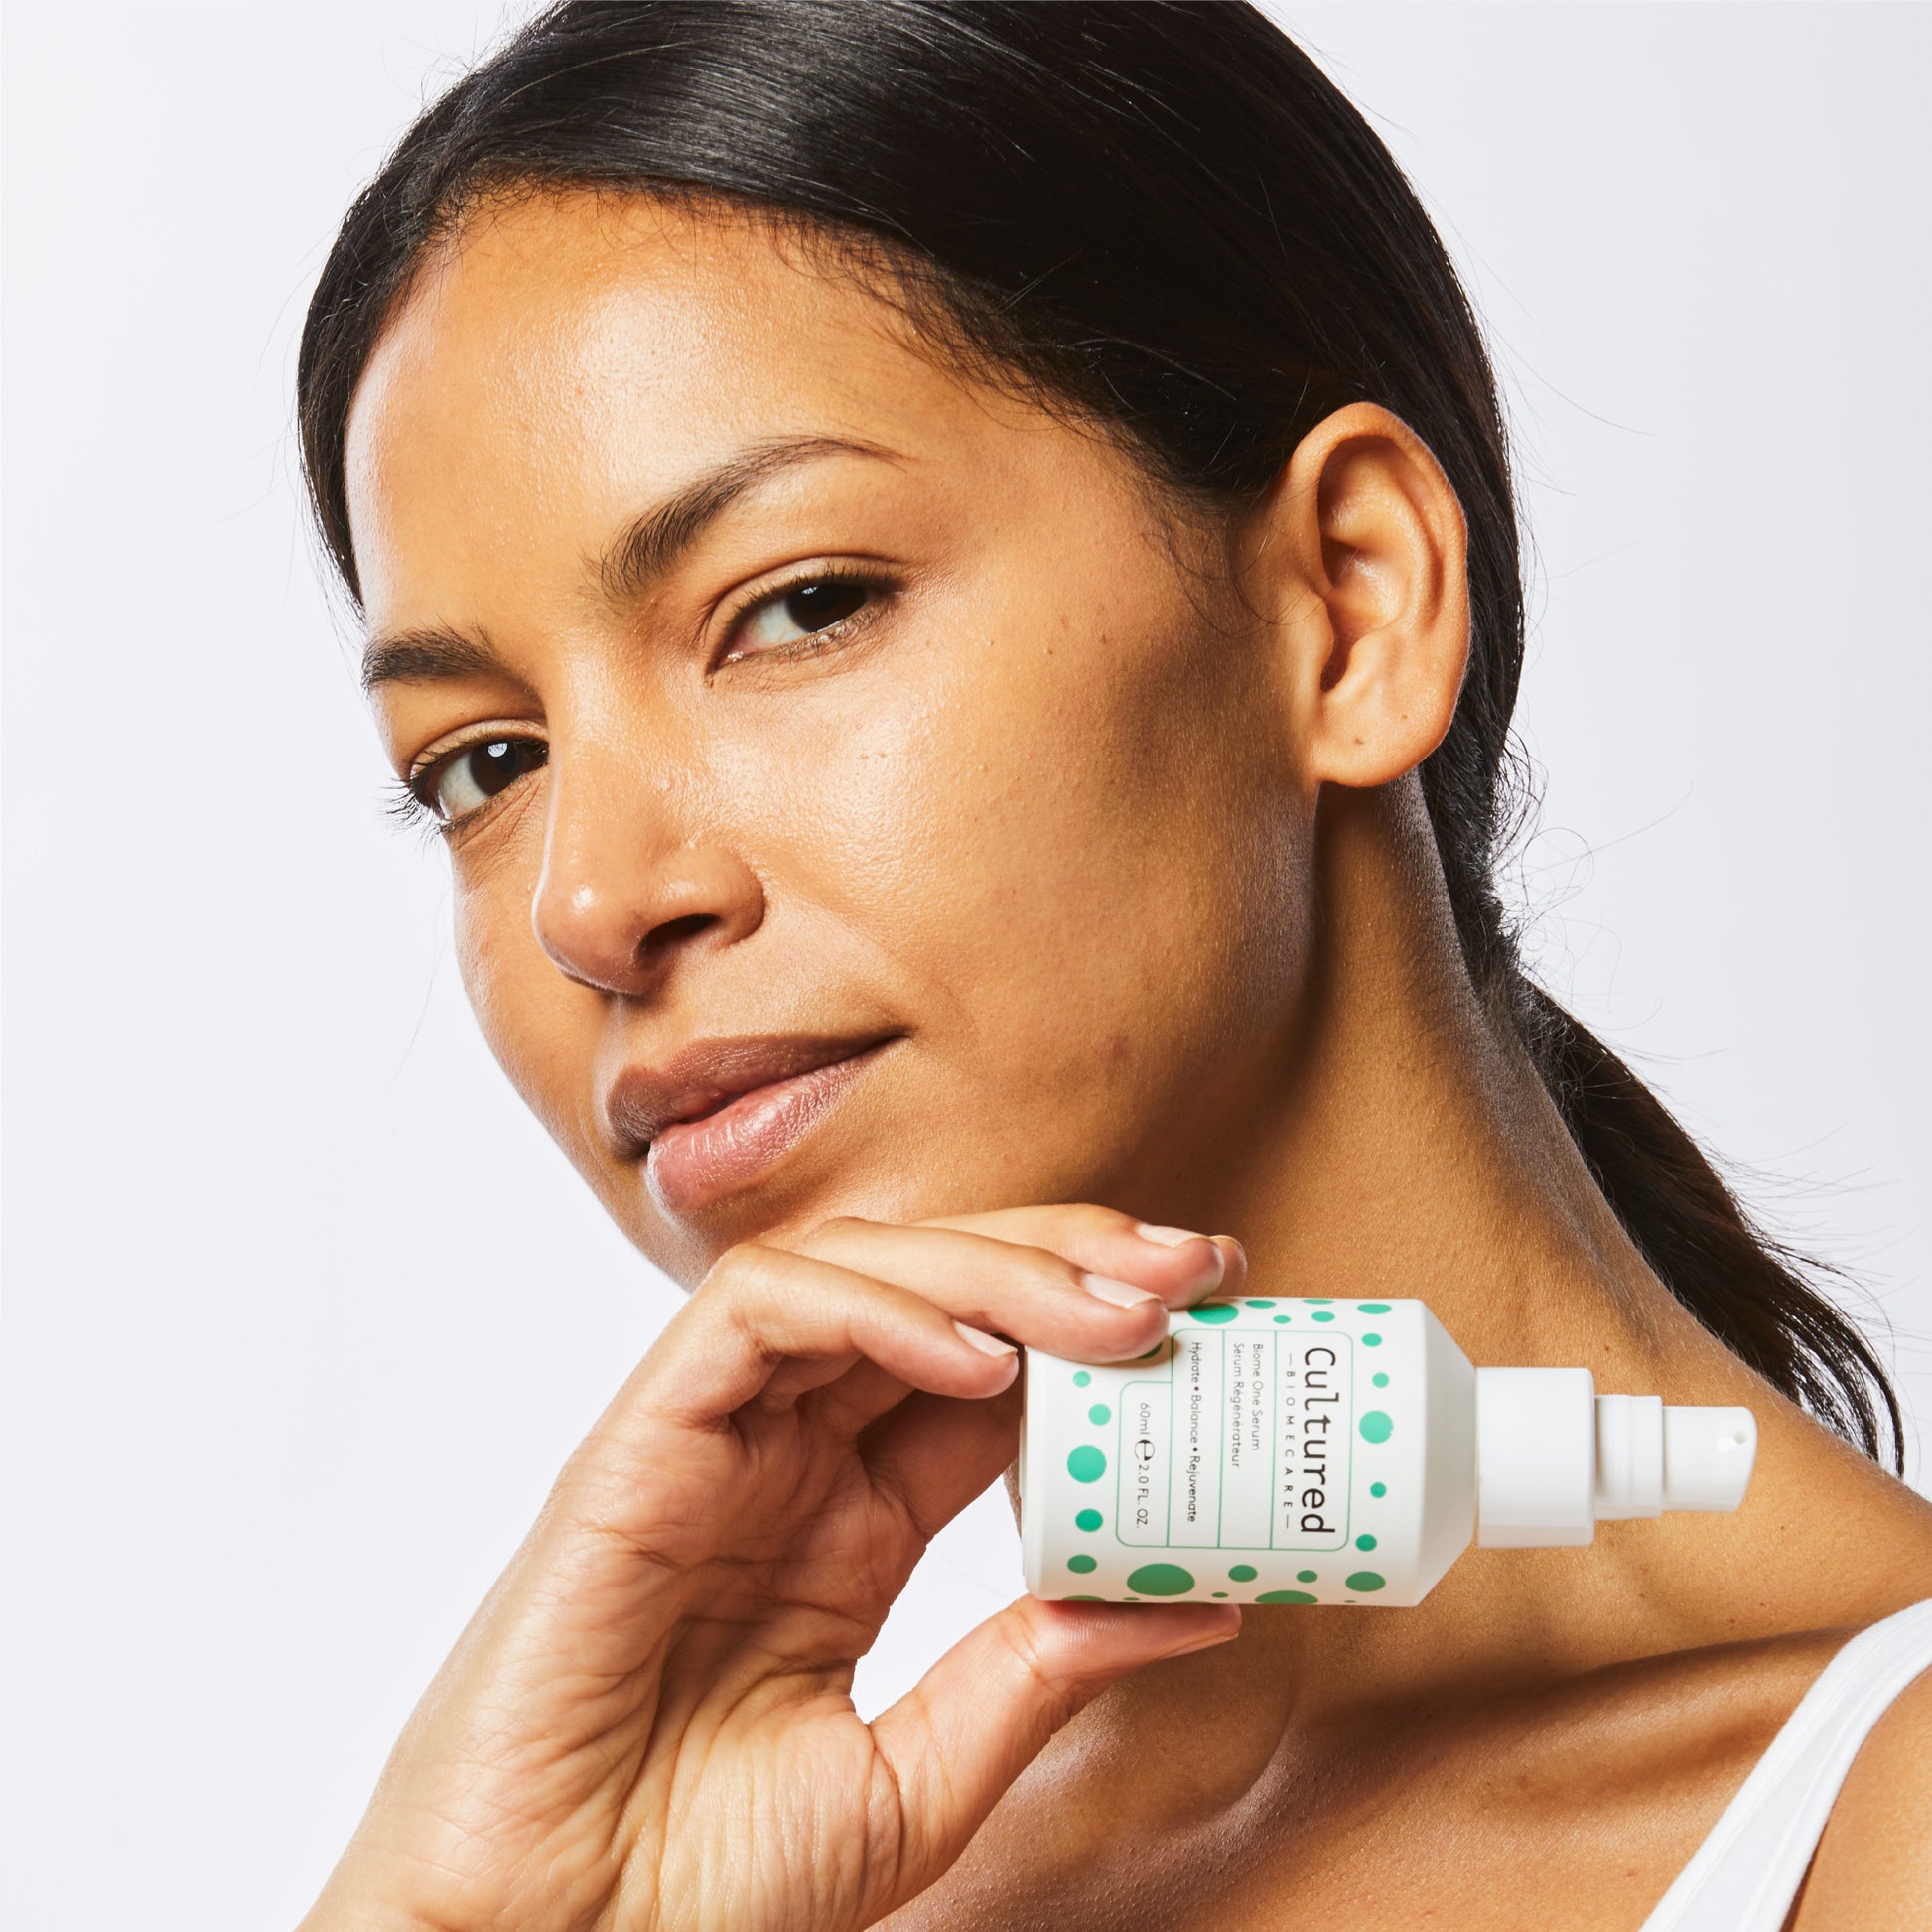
(699, 1161)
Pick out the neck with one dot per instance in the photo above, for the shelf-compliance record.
(1400, 1142)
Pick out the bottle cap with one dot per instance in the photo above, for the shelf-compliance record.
(1536, 1457)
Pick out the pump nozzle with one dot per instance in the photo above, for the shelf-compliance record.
(1553, 1457)
(1708, 1458)
(1650, 1458)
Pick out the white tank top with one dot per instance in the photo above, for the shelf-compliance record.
(1745, 1875)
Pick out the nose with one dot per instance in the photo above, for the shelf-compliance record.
(623, 897)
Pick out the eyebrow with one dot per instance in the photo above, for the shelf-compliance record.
(422, 656)
(649, 546)
(646, 549)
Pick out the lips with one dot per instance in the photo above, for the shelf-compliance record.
(718, 1113)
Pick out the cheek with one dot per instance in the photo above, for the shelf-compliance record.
(1129, 873)
(1084, 866)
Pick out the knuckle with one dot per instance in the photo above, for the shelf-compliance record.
(1048, 1675)
(1077, 1221)
(745, 1305)
(742, 1275)
(1053, 1267)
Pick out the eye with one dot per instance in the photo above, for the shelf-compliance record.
(466, 780)
(791, 616)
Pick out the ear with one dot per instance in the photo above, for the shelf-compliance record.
(1358, 555)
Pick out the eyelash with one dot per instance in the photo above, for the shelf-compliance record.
(403, 800)
(777, 593)
(401, 807)
(404, 804)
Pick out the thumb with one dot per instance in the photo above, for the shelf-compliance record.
(984, 1712)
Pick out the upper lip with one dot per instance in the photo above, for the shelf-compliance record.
(700, 1077)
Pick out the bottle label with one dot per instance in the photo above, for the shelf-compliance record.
(1271, 1451)
(1237, 1440)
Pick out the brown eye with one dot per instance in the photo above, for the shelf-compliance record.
(811, 606)
(803, 612)
(469, 777)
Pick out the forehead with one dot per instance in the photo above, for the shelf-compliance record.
(570, 358)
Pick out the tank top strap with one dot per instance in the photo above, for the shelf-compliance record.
(1747, 1872)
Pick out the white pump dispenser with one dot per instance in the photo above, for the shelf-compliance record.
(1311, 1451)
(1553, 1458)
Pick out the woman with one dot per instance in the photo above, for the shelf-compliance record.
(948, 575)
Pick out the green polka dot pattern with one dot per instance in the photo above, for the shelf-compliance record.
(1160, 1580)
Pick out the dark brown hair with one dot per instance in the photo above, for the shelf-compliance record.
(1164, 215)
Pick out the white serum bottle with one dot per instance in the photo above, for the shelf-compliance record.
(1309, 1450)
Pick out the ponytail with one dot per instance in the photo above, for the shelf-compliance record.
(1745, 1288)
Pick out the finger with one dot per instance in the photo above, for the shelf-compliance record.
(935, 1457)
(762, 1310)
(1030, 1294)
(1180, 1266)
(985, 1711)
(859, 1398)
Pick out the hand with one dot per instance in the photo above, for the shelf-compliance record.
(649, 1723)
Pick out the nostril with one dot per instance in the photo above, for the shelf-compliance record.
(663, 937)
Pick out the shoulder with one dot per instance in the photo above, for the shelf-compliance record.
(1873, 1866)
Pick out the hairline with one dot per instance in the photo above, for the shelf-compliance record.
(943, 318)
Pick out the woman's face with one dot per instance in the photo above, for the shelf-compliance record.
(907, 773)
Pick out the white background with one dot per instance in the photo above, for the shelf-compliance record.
(302, 1312)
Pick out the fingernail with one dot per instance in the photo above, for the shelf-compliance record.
(1212, 1271)
(1166, 1237)
(984, 1343)
(1122, 1294)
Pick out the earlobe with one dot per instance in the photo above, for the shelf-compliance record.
(1376, 619)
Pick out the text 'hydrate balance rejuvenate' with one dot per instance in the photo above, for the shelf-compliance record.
(1327, 1451)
